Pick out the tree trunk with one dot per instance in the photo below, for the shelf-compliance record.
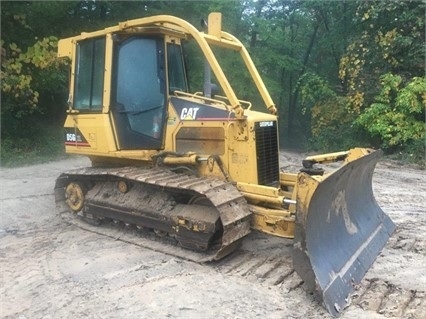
(294, 95)
(253, 36)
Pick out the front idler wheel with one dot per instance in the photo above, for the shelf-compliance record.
(74, 196)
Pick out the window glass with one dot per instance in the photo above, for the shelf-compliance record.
(89, 77)
(140, 84)
(176, 70)
(98, 72)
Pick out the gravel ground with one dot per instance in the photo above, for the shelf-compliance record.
(53, 269)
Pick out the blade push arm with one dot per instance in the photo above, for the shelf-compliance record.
(309, 161)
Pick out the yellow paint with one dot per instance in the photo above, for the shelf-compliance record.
(221, 148)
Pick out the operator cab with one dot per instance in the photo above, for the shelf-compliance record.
(141, 66)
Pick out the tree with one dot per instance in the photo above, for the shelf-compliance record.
(323, 62)
(381, 37)
(19, 94)
(280, 39)
(397, 115)
(390, 38)
(33, 80)
(292, 40)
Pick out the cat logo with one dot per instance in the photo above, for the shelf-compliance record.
(189, 113)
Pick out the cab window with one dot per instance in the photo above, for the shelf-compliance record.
(176, 69)
(138, 95)
(89, 75)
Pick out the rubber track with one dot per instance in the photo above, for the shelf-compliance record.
(232, 206)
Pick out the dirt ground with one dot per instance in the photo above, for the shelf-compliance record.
(52, 269)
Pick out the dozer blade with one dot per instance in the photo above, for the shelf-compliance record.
(339, 230)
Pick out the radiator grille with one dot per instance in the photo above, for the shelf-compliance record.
(267, 153)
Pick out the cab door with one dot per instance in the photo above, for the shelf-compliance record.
(139, 96)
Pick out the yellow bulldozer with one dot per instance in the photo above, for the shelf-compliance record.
(202, 169)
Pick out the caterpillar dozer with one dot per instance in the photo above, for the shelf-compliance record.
(201, 169)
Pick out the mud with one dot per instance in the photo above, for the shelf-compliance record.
(52, 269)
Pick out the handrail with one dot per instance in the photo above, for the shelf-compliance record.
(248, 103)
(201, 97)
(204, 40)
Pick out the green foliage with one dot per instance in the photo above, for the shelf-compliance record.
(333, 129)
(414, 152)
(321, 61)
(388, 38)
(19, 97)
(331, 121)
(314, 91)
(42, 145)
(397, 115)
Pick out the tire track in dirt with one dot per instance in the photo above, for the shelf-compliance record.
(388, 294)
(25, 268)
(272, 270)
(374, 294)
(268, 261)
(38, 280)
